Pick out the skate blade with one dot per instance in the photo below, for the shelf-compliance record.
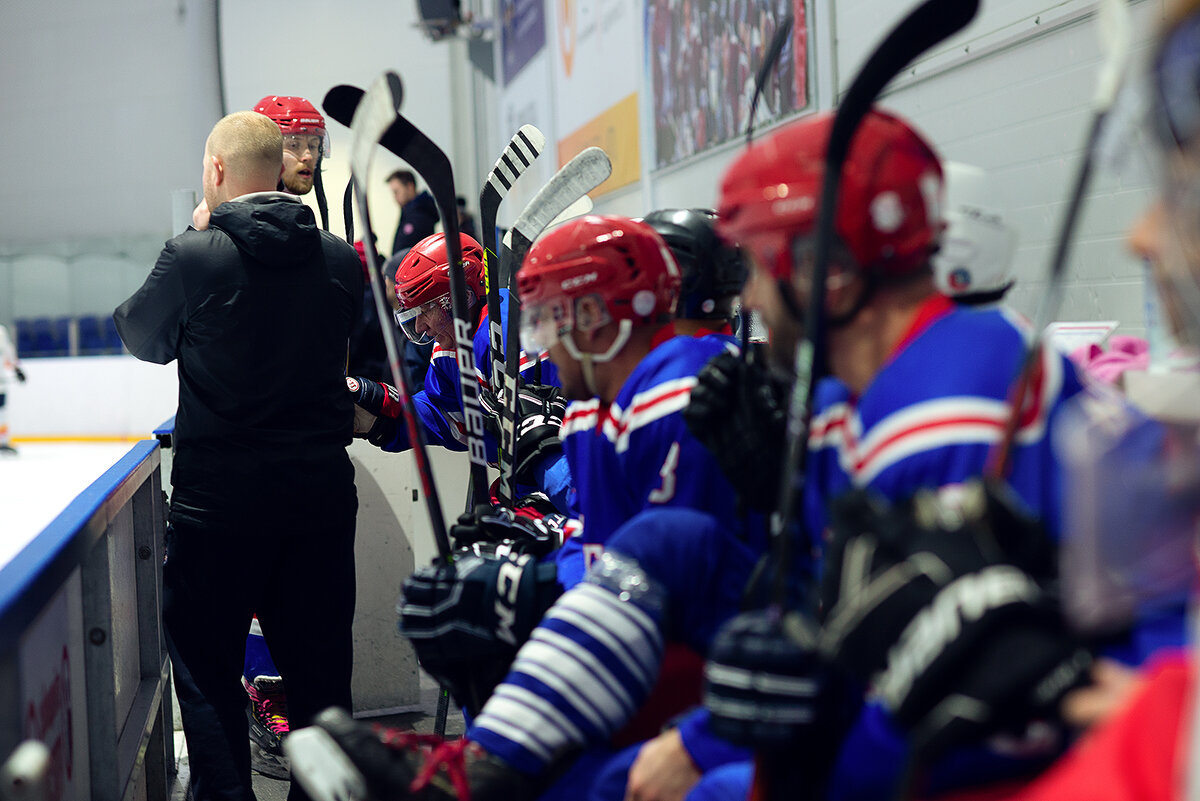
(322, 768)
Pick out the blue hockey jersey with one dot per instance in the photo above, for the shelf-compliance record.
(930, 419)
(637, 452)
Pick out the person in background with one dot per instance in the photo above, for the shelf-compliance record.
(9, 365)
(256, 310)
(418, 212)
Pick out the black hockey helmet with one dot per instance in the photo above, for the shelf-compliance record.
(713, 272)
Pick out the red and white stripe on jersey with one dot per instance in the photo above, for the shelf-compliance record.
(937, 423)
(527, 361)
(617, 424)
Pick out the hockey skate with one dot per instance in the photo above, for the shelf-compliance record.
(267, 715)
(340, 759)
(8, 450)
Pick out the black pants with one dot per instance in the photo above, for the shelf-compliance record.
(296, 571)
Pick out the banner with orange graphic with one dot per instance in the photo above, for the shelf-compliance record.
(597, 75)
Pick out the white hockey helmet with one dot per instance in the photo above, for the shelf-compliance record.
(976, 255)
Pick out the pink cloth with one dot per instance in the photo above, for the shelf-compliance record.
(1107, 366)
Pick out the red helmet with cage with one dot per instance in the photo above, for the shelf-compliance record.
(295, 115)
(593, 270)
(888, 211)
(423, 282)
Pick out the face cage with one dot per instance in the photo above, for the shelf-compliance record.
(544, 324)
(320, 133)
(433, 313)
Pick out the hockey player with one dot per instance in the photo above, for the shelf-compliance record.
(422, 288)
(712, 272)
(305, 144)
(917, 391)
(9, 364)
(1145, 747)
(598, 294)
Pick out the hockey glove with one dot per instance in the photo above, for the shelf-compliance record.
(377, 410)
(20, 374)
(521, 533)
(739, 412)
(467, 620)
(946, 609)
(540, 410)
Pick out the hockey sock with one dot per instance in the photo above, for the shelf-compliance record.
(585, 671)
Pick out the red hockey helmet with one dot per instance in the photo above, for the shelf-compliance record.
(423, 280)
(888, 211)
(591, 271)
(295, 116)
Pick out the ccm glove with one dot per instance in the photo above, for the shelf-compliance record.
(949, 611)
(540, 411)
(521, 533)
(739, 412)
(467, 620)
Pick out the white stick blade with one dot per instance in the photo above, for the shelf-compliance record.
(576, 178)
(375, 114)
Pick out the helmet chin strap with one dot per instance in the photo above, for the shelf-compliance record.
(587, 361)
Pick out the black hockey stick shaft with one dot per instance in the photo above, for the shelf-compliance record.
(524, 147)
(774, 50)
(1115, 30)
(427, 159)
(379, 109)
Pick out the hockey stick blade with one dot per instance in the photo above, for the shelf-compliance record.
(322, 767)
(583, 173)
(590, 168)
(579, 208)
(774, 50)
(370, 120)
(522, 150)
(409, 143)
(930, 23)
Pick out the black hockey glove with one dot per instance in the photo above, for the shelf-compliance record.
(739, 412)
(377, 410)
(20, 374)
(540, 410)
(536, 533)
(947, 610)
(766, 688)
(467, 620)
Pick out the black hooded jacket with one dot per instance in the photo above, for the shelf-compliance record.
(257, 310)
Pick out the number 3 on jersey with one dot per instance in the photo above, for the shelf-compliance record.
(666, 490)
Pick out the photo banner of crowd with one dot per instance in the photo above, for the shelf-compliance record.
(703, 55)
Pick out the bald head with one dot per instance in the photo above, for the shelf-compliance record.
(243, 154)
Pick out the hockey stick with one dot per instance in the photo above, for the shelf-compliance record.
(371, 119)
(525, 146)
(770, 58)
(405, 140)
(573, 181)
(931, 22)
(1115, 40)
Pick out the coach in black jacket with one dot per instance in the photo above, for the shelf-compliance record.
(257, 311)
